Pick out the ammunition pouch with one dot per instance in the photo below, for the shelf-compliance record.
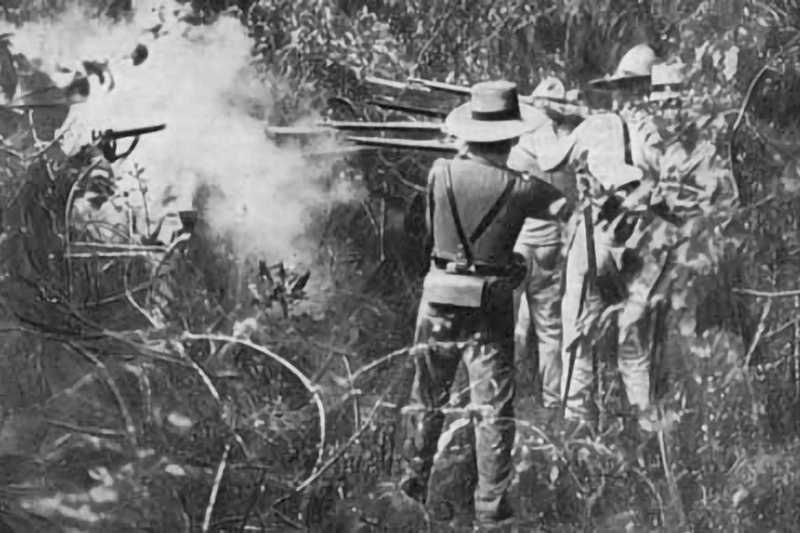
(476, 286)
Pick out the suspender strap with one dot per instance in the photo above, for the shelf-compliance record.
(484, 223)
(492, 213)
(626, 137)
(431, 202)
(451, 198)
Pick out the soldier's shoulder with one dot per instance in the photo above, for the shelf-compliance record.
(440, 163)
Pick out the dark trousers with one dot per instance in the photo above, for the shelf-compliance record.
(489, 359)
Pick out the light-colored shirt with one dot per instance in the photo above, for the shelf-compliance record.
(522, 158)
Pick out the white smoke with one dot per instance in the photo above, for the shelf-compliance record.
(200, 82)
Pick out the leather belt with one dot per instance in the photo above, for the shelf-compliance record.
(474, 270)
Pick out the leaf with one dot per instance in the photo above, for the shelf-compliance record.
(175, 470)
(103, 494)
(447, 436)
(790, 179)
(180, 421)
(553, 474)
(739, 496)
(139, 54)
(730, 62)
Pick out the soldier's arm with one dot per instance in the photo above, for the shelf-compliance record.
(436, 168)
(544, 201)
(430, 203)
(522, 157)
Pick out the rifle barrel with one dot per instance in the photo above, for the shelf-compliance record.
(441, 86)
(406, 108)
(383, 82)
(298, 130)
(389, 125)
(331, 128)
(133, 132)
(407, 144)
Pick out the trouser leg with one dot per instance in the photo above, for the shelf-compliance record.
(523, 327)
(435, 369)
(543, 293)
(634, 364)
(490, 364)
(581, 305)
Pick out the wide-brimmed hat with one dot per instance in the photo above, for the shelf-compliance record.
(603, 138)
(552, 96)
(493, 114)
(635, 65)
(666, 81)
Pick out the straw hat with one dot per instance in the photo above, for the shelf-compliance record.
(666, 82)
(602, 137)
(553, 97)
(635, 65)
(493, 114)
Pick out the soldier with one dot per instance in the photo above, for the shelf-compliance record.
(538, 300)
(616, 154)
(476, 207)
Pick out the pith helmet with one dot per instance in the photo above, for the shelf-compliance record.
(635, 65)
(492, 114)
(666, 81)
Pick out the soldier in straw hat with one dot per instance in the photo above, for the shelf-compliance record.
(538, 300)
(476, 207)
(622, 162)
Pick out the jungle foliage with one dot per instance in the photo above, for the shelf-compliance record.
(177, 394)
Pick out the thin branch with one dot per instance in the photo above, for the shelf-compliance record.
(378, 362)
(748, 96)
(109, 255)
(121, 246)
(438, 27)
(312, 389)
(762, 325)
(170, 250)
(130, 427)
(212, 389)
(354, 392)
(49, 145)
(780, 329)
(340, 452)
(768, 294)
(67, 216)
(672, 484)
(129, 295)
(88, 430)
(212, 498)
(738, 122)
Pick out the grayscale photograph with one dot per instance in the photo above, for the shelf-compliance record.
(399, 266)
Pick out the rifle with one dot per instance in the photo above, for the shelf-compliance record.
(330, 127)
(465, 91)
(459, 90)
(107, 140)
(407, 108)
(408, 144)
(391, 84)
(587, 285)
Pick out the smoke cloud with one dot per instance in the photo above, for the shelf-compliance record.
(199, 81)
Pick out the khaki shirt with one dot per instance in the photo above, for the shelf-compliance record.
(522, 158)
